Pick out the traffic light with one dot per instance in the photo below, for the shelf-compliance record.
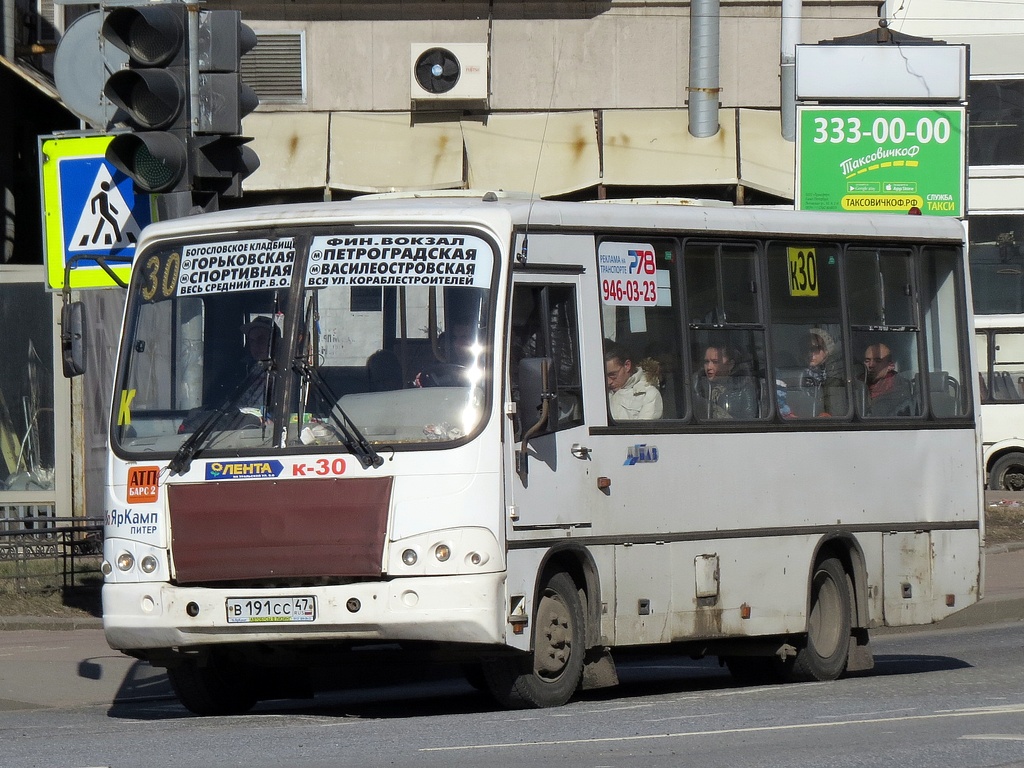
(182, 96)
(151, 95)
(219, 157)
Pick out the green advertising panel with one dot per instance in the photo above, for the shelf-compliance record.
(891, 159)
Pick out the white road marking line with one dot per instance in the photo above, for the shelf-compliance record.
(974, 712)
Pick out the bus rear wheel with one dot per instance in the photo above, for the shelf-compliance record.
(1007, 474)
(214, 688)
(826, 649)
(551, 674)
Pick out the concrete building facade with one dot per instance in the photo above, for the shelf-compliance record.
(571, 99)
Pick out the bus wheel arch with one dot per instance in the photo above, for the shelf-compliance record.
(579, 564)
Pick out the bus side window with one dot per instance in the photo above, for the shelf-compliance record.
(729, 377)
(887, 336)
(1007, 366)
(643, 324)
(544, 324)
(949, 384)
(808, 345)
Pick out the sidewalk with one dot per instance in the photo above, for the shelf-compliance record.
(59, 662)
(1004, 589)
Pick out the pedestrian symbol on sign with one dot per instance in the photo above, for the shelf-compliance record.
(106, 222)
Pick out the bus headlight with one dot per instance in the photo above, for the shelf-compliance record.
(125, 561)
(442, 552)
(148, 564)
(106, 568)
(409, 557)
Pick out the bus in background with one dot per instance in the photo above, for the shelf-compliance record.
(1000, 350)
(521, 434)
(997, 287)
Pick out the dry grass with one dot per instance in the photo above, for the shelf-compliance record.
(1004, 523)
(81, 602)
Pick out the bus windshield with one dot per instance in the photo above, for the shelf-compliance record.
(223, 354)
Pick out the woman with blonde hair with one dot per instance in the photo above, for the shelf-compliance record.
(633, 392)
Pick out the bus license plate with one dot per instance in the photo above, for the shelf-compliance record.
(256, 610)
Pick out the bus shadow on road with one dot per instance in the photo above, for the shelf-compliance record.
(147, 695)
(910, 664)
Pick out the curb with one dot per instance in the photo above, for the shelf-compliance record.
(53, 623)
(989, 610)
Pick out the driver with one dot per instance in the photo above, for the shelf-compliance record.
(458, 342)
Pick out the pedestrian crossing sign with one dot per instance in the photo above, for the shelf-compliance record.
(89, 209)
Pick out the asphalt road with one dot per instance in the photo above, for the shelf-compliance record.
(947, 697)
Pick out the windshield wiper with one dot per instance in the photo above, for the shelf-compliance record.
(183, 457)
(352, 437)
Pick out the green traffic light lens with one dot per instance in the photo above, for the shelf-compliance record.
(152, 172)
(155, 161)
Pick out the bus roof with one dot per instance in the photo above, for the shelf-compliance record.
(502, 211)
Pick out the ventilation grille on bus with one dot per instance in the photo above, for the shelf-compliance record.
(275, 68)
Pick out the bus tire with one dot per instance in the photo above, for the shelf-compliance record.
(212, 689)
(826, 650)
(551, 674)
(1007, 474)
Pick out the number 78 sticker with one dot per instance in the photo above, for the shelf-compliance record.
(628, 274)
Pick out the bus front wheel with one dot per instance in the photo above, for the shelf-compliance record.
(215, 688)
(1007, 474)
(551, 674)
(825, 652)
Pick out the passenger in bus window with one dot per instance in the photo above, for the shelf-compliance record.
(888, 394)
(724, 387)
(824, 380)
(633, 392)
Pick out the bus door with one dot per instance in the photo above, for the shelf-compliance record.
(547, 464)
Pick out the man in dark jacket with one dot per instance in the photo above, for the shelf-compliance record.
(888, 394)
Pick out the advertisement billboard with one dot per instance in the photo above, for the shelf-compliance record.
(887, 159)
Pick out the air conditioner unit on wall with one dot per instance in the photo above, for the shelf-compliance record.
(442, 73)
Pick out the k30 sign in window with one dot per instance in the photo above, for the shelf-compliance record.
(893, 160)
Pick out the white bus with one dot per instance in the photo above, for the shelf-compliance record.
(384, 424)
(1000, 351)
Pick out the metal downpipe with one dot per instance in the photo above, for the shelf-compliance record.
(703, 89)
(792, 18)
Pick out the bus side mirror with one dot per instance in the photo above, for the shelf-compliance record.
(72, 338)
